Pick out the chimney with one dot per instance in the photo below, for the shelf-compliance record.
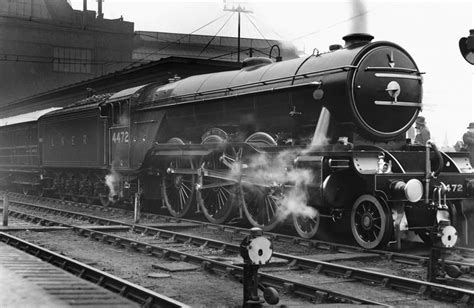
(84, 6)
(354, 39)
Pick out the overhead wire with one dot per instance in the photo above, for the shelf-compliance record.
(218, 31)
(258, 30)
(260, 50)
(38, 59)
(274, 32)
(184, 36)
(330, 26)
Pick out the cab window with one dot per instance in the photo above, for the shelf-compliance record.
(121, 113)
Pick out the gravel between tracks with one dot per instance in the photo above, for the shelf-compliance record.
(196, 288)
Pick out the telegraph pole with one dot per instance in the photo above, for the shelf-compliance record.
(239, 9)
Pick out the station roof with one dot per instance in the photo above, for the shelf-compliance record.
(26, 117)
(138, 75)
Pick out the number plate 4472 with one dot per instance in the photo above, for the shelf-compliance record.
(454, 187)
(120, 137)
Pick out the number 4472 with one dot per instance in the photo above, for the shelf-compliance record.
(454, 187)
(120, 137)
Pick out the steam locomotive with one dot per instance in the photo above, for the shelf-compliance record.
(298, 141)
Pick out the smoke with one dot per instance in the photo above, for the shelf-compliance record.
(295, 200)
(359, 11)
(112, 180)
(275, 175)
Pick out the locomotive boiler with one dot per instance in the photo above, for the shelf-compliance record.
(320, 137)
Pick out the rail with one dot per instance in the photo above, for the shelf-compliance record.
(136, 293)
(310, 243)
(434, 290)
(311, 292)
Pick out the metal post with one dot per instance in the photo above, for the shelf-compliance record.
(137, 203)
(238, 40)
(256, 250)
(433, 264)
(136, 212)
(427, 173)
(5, 210)
(251, 298)
(239, 9)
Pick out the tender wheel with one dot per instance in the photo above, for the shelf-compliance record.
(60, 185)
(108, 189)
(26, 189)
(104, 196)
(73, 187)
(217, 198)
(371, 222)
(89, 200)
(104, 200)
(87, 188)
(40, 192)
(178, 189)
(305, 226)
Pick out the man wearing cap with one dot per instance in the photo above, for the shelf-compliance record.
(422, 132)
(468, 139)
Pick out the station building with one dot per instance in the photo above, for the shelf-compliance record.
(45, 44)
(51, 54)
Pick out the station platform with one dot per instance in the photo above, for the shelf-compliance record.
(27, 281)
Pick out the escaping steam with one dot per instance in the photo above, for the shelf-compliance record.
(274, 175)
(112, 180)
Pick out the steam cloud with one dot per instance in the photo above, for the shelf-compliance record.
(288, 185)
(112, 181)
(277, 171)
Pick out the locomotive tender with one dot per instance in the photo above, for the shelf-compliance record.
(300, 140)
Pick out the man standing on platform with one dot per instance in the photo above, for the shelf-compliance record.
(422, 132)
(468, 139)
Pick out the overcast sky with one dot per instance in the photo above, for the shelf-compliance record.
(428, 29)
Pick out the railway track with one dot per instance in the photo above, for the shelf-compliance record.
(437, 291)
(137, 294)
(314, 294)
(332, 247)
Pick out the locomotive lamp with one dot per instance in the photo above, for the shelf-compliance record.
(256, 250)
(412, 190)
(466, 46)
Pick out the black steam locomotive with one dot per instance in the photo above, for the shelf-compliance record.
(321, 137)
